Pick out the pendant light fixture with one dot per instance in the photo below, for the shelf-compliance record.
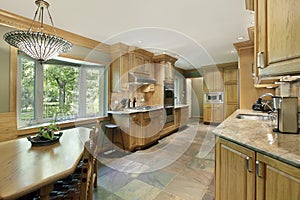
(37, 44)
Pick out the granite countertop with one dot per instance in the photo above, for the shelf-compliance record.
(132, 111)
(259, 136)
(181, 106)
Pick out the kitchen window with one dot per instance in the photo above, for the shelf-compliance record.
(59, 90)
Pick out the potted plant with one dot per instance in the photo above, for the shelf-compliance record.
(46, 135)
(48, 132)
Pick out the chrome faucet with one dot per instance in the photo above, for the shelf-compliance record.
(266, 103)
(263, 105)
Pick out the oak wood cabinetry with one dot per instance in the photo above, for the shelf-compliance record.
(276, 180)
(141, 62)
(181, 117)
(213, 113)
(231, 90)
(277, 36)
(213, 80)
(152, 124)
(119, 73)
(128, 59)
(244, 174)
(165, 68)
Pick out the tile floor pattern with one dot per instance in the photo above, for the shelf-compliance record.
(180, 166)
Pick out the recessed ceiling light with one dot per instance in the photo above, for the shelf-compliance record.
(233, 51)
(140, 41)
(164, 52)
(252, 22)
(252, 12)
(240, 38)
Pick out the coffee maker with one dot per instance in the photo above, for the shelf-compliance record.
(287, 114)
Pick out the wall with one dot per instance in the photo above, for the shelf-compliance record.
(248, 94)
(4, 71)
(197, 97)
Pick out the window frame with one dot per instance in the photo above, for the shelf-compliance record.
(39, 93)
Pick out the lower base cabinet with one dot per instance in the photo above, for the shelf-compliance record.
(213, 113)
(241, 173)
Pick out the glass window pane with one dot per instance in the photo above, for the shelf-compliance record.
(60, 100)
(27, 108)
(92, 91)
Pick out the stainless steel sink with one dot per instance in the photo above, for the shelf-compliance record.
(253, 117)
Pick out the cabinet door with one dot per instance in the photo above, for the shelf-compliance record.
(283, 28)
(235, 172)
(119, 73)
(277, 35)
(213, 80)
(276, 180)
(184, 116)
(151, 126)
(169, 72)
(218, 113)
(207, 113)
(141, 65)
(231, 94)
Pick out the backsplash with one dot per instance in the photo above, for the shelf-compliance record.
(116, 98)
(290, 89)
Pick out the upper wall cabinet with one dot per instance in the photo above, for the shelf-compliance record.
(277, 38)
(141, 62)
(165, 67)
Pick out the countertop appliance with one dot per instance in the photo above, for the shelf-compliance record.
(287, 114)
(214, 97)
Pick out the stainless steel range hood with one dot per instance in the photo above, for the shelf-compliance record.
(139, 79)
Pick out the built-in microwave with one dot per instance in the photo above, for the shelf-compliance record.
(214, 97)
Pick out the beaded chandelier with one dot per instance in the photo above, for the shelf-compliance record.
(37, 44)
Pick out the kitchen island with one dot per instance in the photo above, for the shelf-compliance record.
(143, 127)
(253, 162)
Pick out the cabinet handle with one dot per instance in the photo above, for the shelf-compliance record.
(259, 173)
(248, 167)
(260, 60)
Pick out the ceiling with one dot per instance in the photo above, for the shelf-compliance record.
(197, 32)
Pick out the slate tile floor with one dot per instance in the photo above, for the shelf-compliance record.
(180, 166)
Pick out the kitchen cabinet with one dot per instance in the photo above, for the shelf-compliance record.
(276, 180)
(244, 174)
(152, 124)
(119, 73)
(141, 62)
(231, 90)
(235, 172)
(213, 113)
(181, 117)
(128, 59)
(277, 38)
(165, 68)
(213, 80)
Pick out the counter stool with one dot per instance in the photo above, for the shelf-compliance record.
(110, 129)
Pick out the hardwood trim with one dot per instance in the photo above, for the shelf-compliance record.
(23, 132)
(82, 59)
(19, 22)
(8, 126)
(164, 57)
(13, 60)
(249, 4)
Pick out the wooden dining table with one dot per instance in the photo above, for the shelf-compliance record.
(25, 168)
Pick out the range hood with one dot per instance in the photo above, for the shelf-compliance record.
(140, 79)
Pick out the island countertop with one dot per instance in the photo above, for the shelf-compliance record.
(259, 136)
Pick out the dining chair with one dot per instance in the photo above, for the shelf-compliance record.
(90, 164)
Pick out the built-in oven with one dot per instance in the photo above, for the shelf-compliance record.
(168, 94)
(214, 97)
(169, 115)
